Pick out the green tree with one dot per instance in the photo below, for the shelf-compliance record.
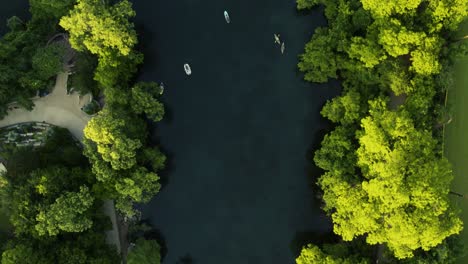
(144, 252)
(145, 100)
(346, 109)
(153, 158)
(402, 200)
(48, 61)
(114, 142)
(44, 201)
(367, 51)
(116, 136)
(391, 7)
(319, 60)
(67, 213)
(104, 30)
(23, 253)
(50, 8)
(312, 254)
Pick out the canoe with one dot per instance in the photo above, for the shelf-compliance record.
(226, 16)
(187, 69)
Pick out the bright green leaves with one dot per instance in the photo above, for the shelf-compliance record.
(66, 214)
(104, 31)
(385, 182)
(391, 7)
(401, 198)
(367, 51)
(406, 182)
(446, 14)
(114, 142)
(397, 40)
(108, 131)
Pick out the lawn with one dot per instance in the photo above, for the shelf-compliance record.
(456, 139)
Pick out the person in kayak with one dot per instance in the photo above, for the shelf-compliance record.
(277, 38)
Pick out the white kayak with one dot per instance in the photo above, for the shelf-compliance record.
(187, 69)
(226, 16)
(282, 48)
(277, 38)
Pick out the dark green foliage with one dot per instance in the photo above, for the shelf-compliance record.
(52, 208)
(145, 100)
(50, 8)
(85, 248)
(21, 76)
(82, 78)
(331, 254)
(48, 61)
(145, 252)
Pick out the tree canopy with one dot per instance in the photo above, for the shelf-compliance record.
(144, 252)
(385, 178)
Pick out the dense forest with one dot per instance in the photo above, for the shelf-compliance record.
(55, 202)
(386, 183)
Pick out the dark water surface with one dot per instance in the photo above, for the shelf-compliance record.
(237, 130)
(19, 8)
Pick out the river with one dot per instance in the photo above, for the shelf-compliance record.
(237, 131)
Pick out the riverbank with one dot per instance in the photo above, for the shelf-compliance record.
(456, 143)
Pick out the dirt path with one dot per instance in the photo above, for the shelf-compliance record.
(57, 108)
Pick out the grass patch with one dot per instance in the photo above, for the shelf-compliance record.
(456, 139)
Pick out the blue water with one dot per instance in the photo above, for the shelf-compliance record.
(238, 130)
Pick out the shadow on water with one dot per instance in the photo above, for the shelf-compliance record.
(145, 36)
(303, 238)
(155, 234)
(186, 259)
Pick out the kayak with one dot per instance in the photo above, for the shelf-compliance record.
(226, 16)
(187, 69)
